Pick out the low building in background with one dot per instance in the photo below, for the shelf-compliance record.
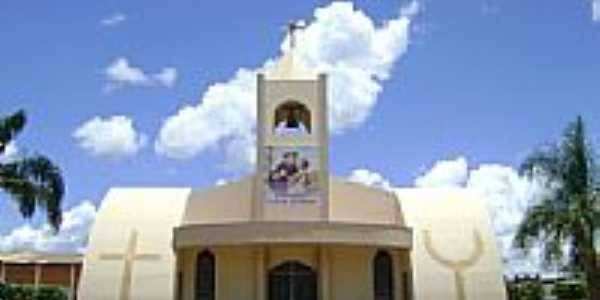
(42, 269)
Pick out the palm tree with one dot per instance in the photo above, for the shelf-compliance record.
(34, 181)
(569, 215)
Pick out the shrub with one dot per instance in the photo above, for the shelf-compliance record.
(529, 290)
(50, 293)
(2, 291)
(569, 290)
(29, 292)
(19, 292)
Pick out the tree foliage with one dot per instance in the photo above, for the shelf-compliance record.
(569, 216)
(32, 181)
(30, 292)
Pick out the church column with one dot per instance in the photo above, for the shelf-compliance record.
(260, 274)
(2, 272)
(402, 275)
(324, 273)
(38, 275)
(72, 282)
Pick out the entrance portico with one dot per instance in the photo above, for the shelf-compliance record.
(299, 272)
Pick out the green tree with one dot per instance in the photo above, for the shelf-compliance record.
(32, 181)
(570, 213)
(529, 290)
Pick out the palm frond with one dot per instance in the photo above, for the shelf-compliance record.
(35, 182)
(11, 126)
(544, 161)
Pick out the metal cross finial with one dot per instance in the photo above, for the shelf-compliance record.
(292, 27)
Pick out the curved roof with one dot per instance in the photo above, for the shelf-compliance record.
(348, 203)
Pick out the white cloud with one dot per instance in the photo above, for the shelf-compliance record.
(506, 193)
(445, 173)
(11, 152)
(412, 9)
(167, 77)
(596, 10)
(112, 137)
(113, 20)
(121, 73)
(357, 54)
(227, 114)
(370, 178)
(71, 237)
(221, 181)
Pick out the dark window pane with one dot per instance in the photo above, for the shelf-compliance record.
(383, 276)
(292, 280)
(205, 276)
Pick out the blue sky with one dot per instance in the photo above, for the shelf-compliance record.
(483, 79)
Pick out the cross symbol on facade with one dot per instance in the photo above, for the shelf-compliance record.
(458, 267)
(129, 258)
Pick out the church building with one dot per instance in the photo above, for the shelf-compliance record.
(291, 231)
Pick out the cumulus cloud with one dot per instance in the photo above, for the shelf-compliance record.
(507, 195)
(167, 77)
(72, 236)
(111, 137)
(344, 42)
(120, 73)
(113, 20)
(596, 10)
(445, 173)
(370, 178)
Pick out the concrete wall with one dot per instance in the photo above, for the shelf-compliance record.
(351, 274)
(350, 270)
(235, 273)
(148, 214)
(452, 231)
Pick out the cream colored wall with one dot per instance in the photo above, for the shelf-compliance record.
(153, 212)
(187, 264)
(351, 273)
(350, 270)
(451, 215)
(222, 204)
(308, 255)
(235, 273)
(357, 203)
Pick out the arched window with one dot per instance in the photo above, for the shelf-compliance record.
(292, 281)
(205, 276)
(383, 276)
(292, 118)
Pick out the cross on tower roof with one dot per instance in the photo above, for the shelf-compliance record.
(292, 27)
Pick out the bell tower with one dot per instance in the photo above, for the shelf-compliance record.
(292, 181)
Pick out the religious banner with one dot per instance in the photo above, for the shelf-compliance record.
(291, 174)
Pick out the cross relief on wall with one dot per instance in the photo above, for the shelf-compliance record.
(458, 267)
(129, 257)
